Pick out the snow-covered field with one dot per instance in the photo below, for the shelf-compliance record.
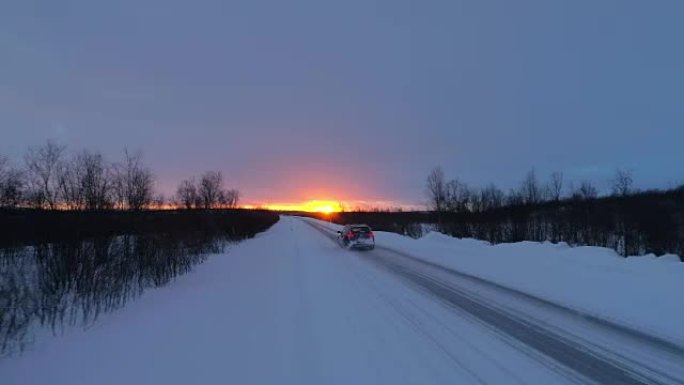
(291, 306)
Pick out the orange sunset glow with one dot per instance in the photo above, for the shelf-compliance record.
(313, 206)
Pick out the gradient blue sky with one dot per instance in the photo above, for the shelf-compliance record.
(353, 99)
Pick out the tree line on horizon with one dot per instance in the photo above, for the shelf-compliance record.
(51, 178)
(456, 196)
(631, 222)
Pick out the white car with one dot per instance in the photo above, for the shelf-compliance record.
(356, 237)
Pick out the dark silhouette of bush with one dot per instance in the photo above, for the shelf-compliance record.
(27, 226)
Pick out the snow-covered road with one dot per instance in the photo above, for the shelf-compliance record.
(291, 306)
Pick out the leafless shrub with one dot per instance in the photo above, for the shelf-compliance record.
(210, 188)
(186, 194)
(95, 181)
(555, 187)
(41, 167)
(230, 198)
(133, 184)
(11, 184)
(491, 197)
(586, 191)
(458, 196)
(530, 191)
(69, 177)
(436, 190)
(622, 184)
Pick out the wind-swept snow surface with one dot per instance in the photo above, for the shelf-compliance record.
(290, 306)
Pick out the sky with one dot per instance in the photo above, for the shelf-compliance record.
(353, 100)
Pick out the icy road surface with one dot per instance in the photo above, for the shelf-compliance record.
(291, 306)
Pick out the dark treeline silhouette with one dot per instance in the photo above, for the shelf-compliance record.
(649, 222)
(629, 221)
(29, 227)
(73, 266)
(206, 194)
(50, 177)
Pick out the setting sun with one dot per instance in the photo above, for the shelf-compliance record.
(314, 206)
(324, 209)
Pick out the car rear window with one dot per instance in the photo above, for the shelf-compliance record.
(360, 229)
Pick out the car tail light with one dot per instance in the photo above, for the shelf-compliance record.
(350, 235)
(371, 235)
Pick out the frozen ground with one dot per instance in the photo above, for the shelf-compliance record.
(290, 306)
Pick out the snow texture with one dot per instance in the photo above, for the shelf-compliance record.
(291, 306)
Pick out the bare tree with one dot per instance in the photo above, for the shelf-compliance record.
(230, 198)
(529, 189)
(11, 184)
(491, 197)
(119, 193)
(586, 191)
(436, 190)
(476, 204)
(41, 165)
(69, 180)
(514, 198)
(4, 171)
(95, 181)
(555, 188)
(187, 194)
(138, 182)
(210, 188)
(622, 184)
(458, 196)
